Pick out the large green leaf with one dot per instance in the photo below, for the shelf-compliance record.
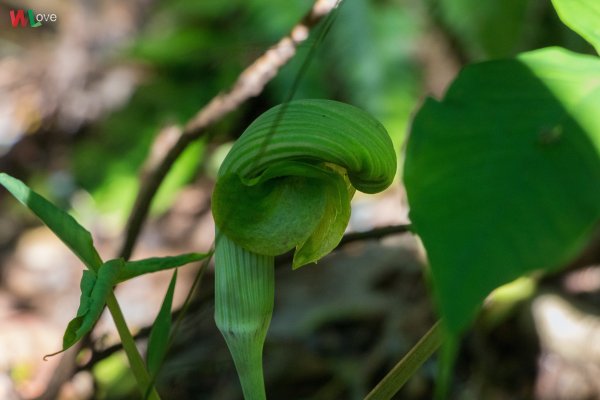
(583, 16)
(503, 175)
(62, 224)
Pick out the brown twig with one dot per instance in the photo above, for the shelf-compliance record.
(249, 84)
(376, 233)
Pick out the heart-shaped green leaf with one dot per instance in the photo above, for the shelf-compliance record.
(503, 175)
(583, 16)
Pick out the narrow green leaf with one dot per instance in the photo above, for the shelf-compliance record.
(159, 335)
(134, 269)
(88, 281)
(95, 288)
(583, 16)
(62, 224)
(503, 175)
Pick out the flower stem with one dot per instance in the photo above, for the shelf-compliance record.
(244, 294)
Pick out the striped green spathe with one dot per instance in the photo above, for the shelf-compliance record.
(286, 183)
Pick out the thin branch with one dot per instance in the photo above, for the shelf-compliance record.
(250, 83)
(376, 233)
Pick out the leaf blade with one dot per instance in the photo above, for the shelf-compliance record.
(583, 16)
(503, 174)
(133, 269)
(158, 341)
(95, 288)
(68, 230)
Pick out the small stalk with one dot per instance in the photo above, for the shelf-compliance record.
(408, 365)
(133, 355)
(244, 293)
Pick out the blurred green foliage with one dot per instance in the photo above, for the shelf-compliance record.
(191, 50)
(115, 379)
(489, 29)
(499, 29)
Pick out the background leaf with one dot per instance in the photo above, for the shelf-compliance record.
(61, 223)
(503, 175)
(159, 336)
(583, 16)
(487, 29)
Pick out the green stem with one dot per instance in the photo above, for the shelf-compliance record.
(244, 293)
(133, 355)
(408, 365)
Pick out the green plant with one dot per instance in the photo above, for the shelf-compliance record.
(286, 184)
(98, 281)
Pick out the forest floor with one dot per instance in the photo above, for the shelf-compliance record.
(338, 325)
